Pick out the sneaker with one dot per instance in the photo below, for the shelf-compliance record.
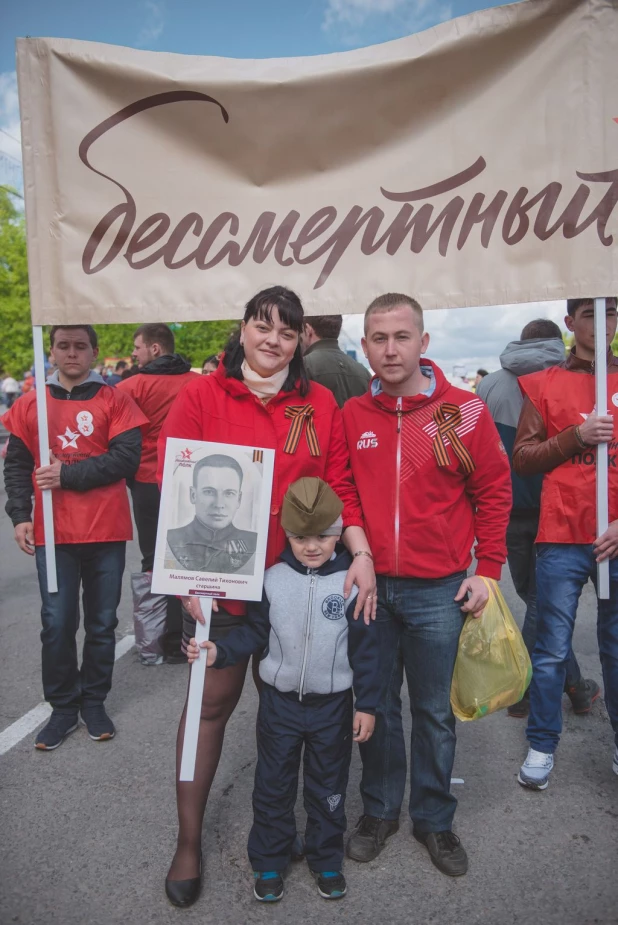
(331, 884)
(52, 735)
(445, 850)
(615, 761)
(534, 772)
(99, 725)
(268, 886)
(369, 837)
(520, 709)
(583, 694)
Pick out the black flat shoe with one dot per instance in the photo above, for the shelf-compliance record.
(184, 893)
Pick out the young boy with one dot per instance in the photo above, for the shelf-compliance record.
(313, 653)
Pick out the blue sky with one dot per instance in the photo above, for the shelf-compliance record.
(258, 29)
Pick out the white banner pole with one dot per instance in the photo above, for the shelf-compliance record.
(41, 410)
(194, 700)
(600, 365)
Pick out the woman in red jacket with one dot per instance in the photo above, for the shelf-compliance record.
(259, 396)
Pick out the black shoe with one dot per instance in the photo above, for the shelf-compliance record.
(52, 735)
(520, 709)
(184, 893)
(298, 848)
(99, 725)
(445, 851)
(583, 694)
(331, 884)
(369, 837)
(268, 886)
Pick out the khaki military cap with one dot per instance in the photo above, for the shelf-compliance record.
(310, 508)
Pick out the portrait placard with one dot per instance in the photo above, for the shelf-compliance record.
(213, 520)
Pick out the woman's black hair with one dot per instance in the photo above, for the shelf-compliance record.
(291, 313)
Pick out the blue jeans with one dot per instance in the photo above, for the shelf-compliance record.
(521, 550)
(419, 625)
(562, 570)
(98, 567)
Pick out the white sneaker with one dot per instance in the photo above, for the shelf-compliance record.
(534, 772)
(615, 761)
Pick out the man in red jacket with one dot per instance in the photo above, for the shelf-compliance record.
(432, 474)
(162, 374)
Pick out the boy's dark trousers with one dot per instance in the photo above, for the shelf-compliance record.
(323, 724)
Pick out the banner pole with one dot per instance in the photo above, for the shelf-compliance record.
(600, 366)
(194, 700)
(41, 410)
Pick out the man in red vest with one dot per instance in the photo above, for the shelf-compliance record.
(95, 441)
(557, 435)
(162, 374)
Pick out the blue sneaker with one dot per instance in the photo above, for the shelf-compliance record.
(99, 725)
(331, 884)
(534, 772)
(59, 726)
(268, 886)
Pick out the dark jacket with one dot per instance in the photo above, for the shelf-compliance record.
(198, 547)
(120, 462)
(502, 394)
(312, 643)
(327, 364)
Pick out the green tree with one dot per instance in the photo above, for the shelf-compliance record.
(15, 324)
(195, 339)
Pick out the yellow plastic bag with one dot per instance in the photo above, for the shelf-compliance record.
(492, 669)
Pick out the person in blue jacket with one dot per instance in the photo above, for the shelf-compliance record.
(313, 653)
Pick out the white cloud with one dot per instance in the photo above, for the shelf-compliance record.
(153, 12)
(472, 338)
(10, 132)
(346, 19)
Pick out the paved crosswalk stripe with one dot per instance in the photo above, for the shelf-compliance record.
(35, 717)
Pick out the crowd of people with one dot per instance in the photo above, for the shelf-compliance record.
(384, 488)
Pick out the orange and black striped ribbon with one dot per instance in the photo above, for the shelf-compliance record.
(301, 415)
(258, 456)
(448, 417)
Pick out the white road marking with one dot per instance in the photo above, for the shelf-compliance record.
(34, 718)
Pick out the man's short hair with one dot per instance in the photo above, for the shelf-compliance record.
(482, 373)
(217, 461)
(121, 364)
(156, 333)
(391, 300)
(90, 331)
(325, 325)
(574, 304)
(541, 328)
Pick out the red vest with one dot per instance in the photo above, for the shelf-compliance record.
(154, 396)
(568, 500)
(79, 430)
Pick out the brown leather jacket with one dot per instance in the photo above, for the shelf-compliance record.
(532, 451)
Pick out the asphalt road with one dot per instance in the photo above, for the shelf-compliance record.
(87, 831)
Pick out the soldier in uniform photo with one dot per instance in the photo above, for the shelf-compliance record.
(211, 542)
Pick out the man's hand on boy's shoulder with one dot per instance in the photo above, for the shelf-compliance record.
(363, 726)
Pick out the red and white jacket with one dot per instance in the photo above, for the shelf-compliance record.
(432, 474)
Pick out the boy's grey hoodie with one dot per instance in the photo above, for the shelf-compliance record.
(312, 643)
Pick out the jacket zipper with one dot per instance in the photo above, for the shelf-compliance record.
(397, 482)
(301, 683)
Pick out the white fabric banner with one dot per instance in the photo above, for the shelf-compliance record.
(475, 163)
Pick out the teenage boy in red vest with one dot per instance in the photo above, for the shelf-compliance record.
(162, 374)
(432, 475)
(557, 435)
(95, 442)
